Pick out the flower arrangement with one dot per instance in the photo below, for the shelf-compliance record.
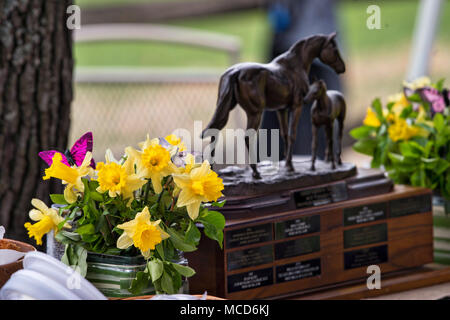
(410, 136)
(149, 203)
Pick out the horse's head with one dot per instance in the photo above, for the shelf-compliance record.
(316, 90)
(330, 54)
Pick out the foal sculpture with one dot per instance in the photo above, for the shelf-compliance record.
(279, 85)
(328, 107)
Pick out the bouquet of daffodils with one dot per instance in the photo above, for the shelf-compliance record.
(410, 136)
(149, 203)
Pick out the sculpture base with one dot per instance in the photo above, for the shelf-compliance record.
(276, 178)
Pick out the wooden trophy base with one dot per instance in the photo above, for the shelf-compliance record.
(288, 242)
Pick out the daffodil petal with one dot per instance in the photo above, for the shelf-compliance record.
(69, 195)
(124, 241)
(35, 215)
(193, 209)
(39, 204)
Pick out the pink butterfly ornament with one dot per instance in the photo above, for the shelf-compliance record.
(75, 155)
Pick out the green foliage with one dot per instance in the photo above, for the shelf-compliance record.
(418, 157)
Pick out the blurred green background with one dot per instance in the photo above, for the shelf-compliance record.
(377, 62)
(252, 27)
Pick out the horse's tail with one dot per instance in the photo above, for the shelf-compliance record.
(226, 101)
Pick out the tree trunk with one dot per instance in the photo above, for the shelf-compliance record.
(36, 67)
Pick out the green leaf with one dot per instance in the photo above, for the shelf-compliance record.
(160, 249)
(439, 122)
(178, 241)
(156, 269)
(415, 97)
(167, 283)
(406, 112)
(365, 146)
(378, 108)
(183, 270)
(218, 204)
(362, 132)
(86, 229)
(418, 178)
(139, 283)
(70, 235)
(96, 196)
(442, 166)
(75, 257)
(58, 199)
(192, 235)
(214, 218)
(214, 223)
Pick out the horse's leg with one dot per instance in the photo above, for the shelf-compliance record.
(313, 147)
(341, 119)
(284, 127)
(295, 117)
(329, 135)
(253, 122)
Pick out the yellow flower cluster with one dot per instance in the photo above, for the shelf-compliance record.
(401, 130)
(194, 183)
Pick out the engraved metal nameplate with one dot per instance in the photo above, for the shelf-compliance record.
(297, 247)
(249, 257)
(250, 280)
(365, 257)
(411, 205)
(248, 235)
(365, 235)
(298, 270)
(321, 196)
(297, 227)
(366, 213)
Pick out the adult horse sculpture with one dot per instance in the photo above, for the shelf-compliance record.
(279, 85)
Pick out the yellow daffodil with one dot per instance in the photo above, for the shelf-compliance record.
(418, 83)
(176, 142)
(69, 175)
(201, 184)
(141, 232)
(400, 102)
(48, 219)
(371, 119)
(118, 179)
(153, 162)
(189, 163)
(401, 130)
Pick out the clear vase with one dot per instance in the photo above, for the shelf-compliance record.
(113, 275)
(441, 230)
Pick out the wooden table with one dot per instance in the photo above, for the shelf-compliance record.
(430, 282)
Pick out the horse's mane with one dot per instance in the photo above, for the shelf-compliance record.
(313, 40)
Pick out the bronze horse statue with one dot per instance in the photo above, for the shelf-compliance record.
(279, 85)
(328, 107)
